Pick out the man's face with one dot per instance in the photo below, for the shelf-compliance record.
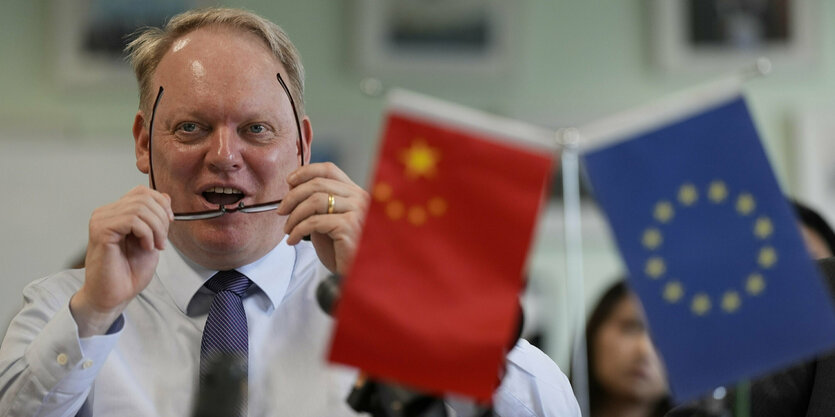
(224, 132)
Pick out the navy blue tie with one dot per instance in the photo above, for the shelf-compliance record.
(226, 334)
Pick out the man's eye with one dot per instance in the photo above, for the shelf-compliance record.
(257, 129)
(188, 127)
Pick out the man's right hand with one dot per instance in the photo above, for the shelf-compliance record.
(122, 254)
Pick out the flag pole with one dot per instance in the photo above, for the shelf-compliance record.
(742, 403)
(569, 141)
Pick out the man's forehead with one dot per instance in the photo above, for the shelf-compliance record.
(218, 51)
(218, 36)
(180, 44)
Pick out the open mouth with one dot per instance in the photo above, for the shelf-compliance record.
(223, 196)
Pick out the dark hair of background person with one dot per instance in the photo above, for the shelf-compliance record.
(811, 219)
(601, 313)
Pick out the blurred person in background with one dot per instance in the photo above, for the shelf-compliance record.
(807, 389)
(816, 232)
(626, 376)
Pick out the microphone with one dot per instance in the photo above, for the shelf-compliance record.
(222, 390)
(328, 293)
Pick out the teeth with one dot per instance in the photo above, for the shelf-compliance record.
(224, 190)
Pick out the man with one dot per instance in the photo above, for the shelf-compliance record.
(216, 131)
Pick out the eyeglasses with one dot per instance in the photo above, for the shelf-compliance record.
(222, 209)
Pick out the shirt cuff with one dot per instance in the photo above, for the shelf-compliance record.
(61, 361)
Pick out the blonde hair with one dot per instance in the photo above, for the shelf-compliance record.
(146, 51)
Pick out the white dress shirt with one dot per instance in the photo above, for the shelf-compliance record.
(148, 363)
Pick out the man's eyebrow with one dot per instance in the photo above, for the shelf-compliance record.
(277, 119)
(181, 113)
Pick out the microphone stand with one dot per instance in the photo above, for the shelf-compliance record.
(385, 399)
(222, 391)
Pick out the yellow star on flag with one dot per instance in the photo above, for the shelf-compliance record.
(745, 204)
(663, 211)
(687, 194)
(420, 159)
(382, 192)
(767, 257)
(717, 191)
(731, 301)
(700, 304)
(652, 238)
(755, 284)
(673, 291)
(655, 267)
(763, 227)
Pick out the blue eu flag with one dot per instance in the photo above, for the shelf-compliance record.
(712, 249)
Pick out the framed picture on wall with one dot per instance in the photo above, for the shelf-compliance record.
(723, 35)
(410, 36)
(89, 36)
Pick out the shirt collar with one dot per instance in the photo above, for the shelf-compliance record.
(183, 278)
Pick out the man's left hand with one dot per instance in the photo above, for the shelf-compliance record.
(335, 235)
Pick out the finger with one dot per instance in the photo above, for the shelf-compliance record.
(164, 201)
(321, 169)
(149, 206)
(318, 204)
(156, 218)
(320, 185)
(143, 232)
(320, 223)
(161, 199)
(337, 226)
(309, 188)
(305, 209)
(116, 218)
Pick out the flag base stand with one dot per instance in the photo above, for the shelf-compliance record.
(382, 400)
(389, 400)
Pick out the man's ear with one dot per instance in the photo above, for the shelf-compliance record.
(307, 131)
(141, 139)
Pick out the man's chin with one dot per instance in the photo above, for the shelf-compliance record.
(213, 243)
(218, 249)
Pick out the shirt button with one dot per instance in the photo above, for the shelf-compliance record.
(86, 364)
(62, 359)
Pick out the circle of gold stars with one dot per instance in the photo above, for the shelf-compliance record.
(673, 291)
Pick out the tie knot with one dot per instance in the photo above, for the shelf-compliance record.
(231, 280)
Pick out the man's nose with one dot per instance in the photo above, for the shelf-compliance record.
(225, 148)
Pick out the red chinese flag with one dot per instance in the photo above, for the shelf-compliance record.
(431, 300)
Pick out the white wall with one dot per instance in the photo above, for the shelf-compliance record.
(51, 188)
